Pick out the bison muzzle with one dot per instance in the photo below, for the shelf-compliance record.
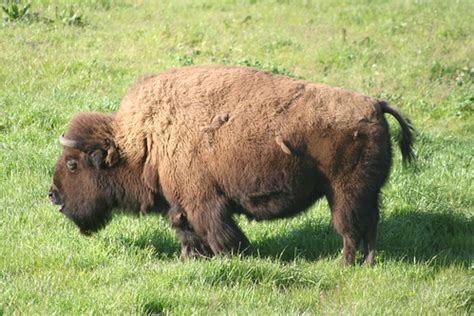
(201, 144)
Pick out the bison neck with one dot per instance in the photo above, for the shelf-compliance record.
(132, 194)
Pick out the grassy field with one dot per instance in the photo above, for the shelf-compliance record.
(62, 57)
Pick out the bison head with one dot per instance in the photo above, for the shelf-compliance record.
(84, 180)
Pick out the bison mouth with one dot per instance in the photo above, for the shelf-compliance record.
(85, 232)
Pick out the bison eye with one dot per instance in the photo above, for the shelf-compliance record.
(71, 164)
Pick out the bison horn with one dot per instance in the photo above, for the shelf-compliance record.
(69, 142)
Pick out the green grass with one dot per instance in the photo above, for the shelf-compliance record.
(419, 55)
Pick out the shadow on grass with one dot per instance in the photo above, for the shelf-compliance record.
(435, 238)
(310, 241)
(438, 238)
(153, 307)
(163, 246)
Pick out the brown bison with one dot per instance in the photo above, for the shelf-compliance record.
(201, 144)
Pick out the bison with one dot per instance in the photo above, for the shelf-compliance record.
(201, 144)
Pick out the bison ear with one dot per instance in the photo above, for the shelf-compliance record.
(100, 158)
(97, 158)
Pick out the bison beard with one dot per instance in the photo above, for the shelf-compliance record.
(202, 144)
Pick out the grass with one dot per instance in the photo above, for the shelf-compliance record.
(74, 57)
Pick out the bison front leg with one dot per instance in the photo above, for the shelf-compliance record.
(192, 246)
(213, 221)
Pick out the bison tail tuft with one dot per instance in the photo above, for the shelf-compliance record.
(407, 138)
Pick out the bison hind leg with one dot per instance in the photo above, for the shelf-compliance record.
(355, 216)
(370, 233)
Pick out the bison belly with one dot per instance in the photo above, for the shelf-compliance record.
(270, 184)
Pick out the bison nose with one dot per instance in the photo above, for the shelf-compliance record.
(53, 195)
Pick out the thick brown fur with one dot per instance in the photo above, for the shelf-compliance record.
(209, 142)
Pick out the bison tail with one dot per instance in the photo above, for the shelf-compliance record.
(407, 139)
